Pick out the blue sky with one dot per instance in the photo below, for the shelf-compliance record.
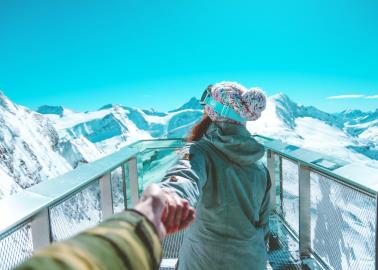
(83, 54)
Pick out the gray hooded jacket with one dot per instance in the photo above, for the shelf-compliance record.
(222, 176)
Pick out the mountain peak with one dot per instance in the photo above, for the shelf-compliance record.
(193, 104)
(348, 111)
(58, 110)
(153, 112)
(109, 106)
(282, 98)
(6, 103)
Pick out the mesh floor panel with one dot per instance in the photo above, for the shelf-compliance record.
(171, 247)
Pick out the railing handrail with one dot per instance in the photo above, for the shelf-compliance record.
(33, 205)
(20, 207)
(309, 158)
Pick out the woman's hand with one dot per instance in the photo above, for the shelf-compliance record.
(178, 214)
(165, 209)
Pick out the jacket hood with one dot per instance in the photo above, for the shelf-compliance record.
(235, 142)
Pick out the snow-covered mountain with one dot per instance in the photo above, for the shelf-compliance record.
(114, 126)
(37, 146)
(308, 127)
(29, 148)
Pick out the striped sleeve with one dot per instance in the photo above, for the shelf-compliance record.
(125, 241)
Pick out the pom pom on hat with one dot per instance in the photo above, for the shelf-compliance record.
(249, 104)
(255, 101)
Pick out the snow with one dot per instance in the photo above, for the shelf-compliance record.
(318, 131)
(28, 147)
(370, 134)
(44, 146)
(35, 147)
(81, 137)
(74, 119)
(269, 123)
(7, 184)
(157, 119)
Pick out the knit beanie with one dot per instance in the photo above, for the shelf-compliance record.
(248, 103)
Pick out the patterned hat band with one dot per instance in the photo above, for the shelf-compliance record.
(248, 104)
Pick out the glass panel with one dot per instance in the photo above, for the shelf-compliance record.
(117, 190)
(290, 194)
(16, 247)
(153, 164)
(160, 144)
(342, 224)
(77, 213)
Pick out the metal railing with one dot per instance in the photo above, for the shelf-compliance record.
(328, 204)
(61, 207)
(329, 208)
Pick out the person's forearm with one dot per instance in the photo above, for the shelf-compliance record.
(125, 241)
(183, 187)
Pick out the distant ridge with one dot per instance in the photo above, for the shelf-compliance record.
(58, 110)
(57, 139)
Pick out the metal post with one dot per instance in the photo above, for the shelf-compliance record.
(304, 211)
(281, 183)
(271, 168)
(133, 176)
(106, 195)
(124, 183)
(376, 232)
(40, 229)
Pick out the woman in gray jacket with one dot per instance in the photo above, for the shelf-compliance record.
(221, 175)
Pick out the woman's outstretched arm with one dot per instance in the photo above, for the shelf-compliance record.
(188, 176)
(182, 185)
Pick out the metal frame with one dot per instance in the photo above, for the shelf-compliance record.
(33, 205)
(308, 162)
(40, 227)
(376, 233)
(304, 211)
(124, 183)
(281, 184)
(309, 158)
(106, 196)
(28, 203)
(271, 164)
(133, 177)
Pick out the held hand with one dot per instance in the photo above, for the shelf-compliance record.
(178, 214)
(165, 209)
(152, 204)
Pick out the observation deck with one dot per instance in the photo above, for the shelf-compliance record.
(322, 217)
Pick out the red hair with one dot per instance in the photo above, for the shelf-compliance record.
(199, 129)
